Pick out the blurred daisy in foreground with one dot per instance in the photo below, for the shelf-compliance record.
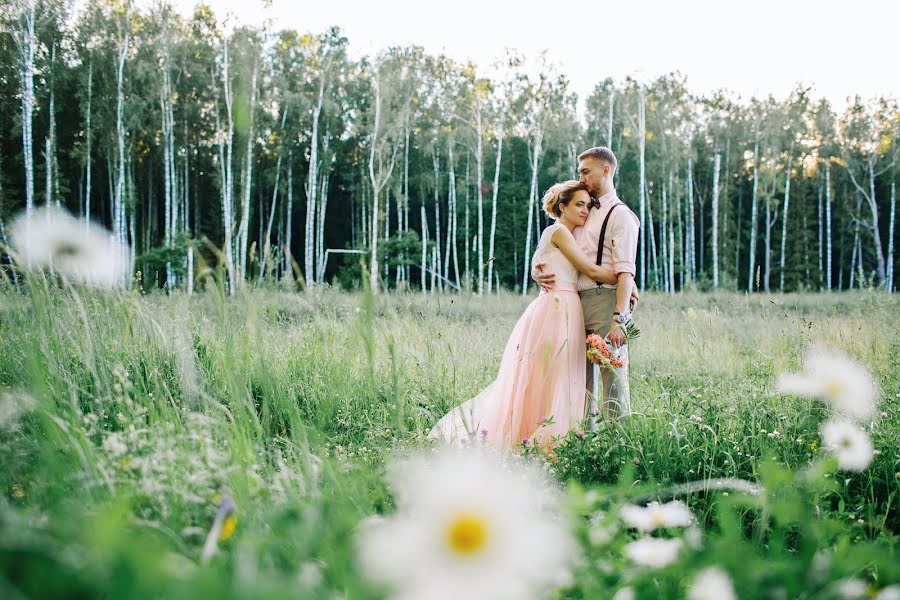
(835, 378)
(849, 444)
(648, 518)
(467, 526)
(82, 252)
(653, 552)
(712, 583)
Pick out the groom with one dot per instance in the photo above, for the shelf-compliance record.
(609, 237)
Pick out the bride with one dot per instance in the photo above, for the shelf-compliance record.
(539, 392)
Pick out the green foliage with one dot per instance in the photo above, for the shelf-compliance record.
(135, 413)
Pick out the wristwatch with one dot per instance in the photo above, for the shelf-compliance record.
(621, 319)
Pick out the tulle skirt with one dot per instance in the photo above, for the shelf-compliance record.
(539, 393)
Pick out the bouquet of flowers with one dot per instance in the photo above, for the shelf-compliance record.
(600, 352)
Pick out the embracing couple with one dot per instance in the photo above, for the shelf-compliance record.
(585, 265)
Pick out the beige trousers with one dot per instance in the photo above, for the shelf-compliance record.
(599, 304)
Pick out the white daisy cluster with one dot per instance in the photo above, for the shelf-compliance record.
(470, 526)
(850, 390)
(649, 551)
(51, 238)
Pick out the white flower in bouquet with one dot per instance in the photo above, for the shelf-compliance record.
(467, 526)
(82, 252)
(712, 583)
(653, 552)
(849, 444)
(835, 378)
(648, 518)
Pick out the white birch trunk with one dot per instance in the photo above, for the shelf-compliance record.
(267, 242)
(289, 219)
(424, 219)
(828, 225)
(88, 136)
(479, 170)
(821, 238)
(435, 161)
(691, 237)
(784, 217)
(378, 181)
(27, 47)
(890, 255)
(532, 201)
(753, 213)
(225, 143)
(452, 218)
(247, 185)
(312, 180)
(642, 145)
(715, 221)
(119, 201)
(500, 134)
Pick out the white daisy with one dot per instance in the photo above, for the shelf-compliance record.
(653, 552)
(835, 378)
(52, 238)
(891, 592)
(114, 444)
(467, 526)
(648, 518)
(625, 593)
(849, 443)
(712, 583)
(852, 588)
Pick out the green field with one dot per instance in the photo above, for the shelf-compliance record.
(125, 418)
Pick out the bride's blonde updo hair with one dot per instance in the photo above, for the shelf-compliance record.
(559, 195)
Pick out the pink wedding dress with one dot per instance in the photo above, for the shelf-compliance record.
(539, 392)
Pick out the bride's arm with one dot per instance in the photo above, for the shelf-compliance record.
(563, 240)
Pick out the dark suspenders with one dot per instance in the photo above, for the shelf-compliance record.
(603, 235)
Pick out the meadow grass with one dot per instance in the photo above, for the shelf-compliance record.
(127, 416)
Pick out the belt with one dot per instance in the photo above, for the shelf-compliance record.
(595, 291)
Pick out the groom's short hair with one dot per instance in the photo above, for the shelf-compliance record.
(601, 153)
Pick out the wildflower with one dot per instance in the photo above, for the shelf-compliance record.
(711, 583)
(671, 514)
(226, 510)
(52, 238)
(467, 526)
(12, 407)
(833, 377)
(849, 443)
(653, 552)
(114, 444)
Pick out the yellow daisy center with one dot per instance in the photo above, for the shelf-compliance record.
(228, 527)
(467, 534)
(657, 518)
(834, 388)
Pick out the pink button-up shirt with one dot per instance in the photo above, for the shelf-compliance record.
(620, 244)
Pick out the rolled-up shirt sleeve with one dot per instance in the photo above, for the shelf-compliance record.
(624, 243)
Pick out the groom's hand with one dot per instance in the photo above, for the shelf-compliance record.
(616, 335)
(545, 280)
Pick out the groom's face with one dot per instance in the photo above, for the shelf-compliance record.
(591, 172)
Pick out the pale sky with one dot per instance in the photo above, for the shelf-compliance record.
(841, 48)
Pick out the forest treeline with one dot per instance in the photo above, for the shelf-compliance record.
(272, 153)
